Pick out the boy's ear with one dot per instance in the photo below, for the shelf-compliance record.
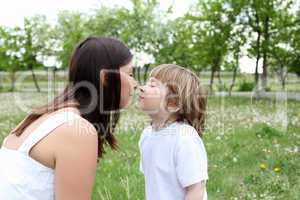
(172, 106)
(173, 109)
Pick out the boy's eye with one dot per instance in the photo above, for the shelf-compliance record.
(152, 84)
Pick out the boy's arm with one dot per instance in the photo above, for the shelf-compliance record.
(195, 191)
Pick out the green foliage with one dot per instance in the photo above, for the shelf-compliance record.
(295, 68)
(211, 35)
(21, 46)
(264, 130)
(212, 32)
(245, 86)
(142, 27)
(70, 30)
(11, 41)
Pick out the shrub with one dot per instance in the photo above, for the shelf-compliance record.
(265, 131)
(245, 86)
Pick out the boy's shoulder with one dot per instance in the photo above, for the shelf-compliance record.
(146, 131)
(187, 135)
(178, 129)
(186, 130)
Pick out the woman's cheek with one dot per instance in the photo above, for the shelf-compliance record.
(125, 92)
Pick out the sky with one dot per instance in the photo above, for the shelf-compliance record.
(12, 13)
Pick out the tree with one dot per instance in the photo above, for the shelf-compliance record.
(213, 32)
(142, 29)
(262, 20)
(282, 54)
(70, 30)
(36, 32)
(175, 44)
(295, 45)
(237, 38)
(4, 58)
(10, 52)
(108, 22)
(254, 23)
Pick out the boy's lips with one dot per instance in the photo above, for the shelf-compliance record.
(140, 97)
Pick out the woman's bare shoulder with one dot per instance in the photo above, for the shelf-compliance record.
(75, 159)
(76, 136)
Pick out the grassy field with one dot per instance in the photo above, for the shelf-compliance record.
(252, 147)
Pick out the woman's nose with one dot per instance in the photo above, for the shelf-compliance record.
(135, 84)
(141, 88)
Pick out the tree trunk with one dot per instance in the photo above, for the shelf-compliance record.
(283, 82)
(212, 76)
(256, 76)
(147, 66)
(282, 76)
(54, 80)
(265, 54)
(139, 74)
(233, 80)
(134, 72)
(219, 77)
(234, 75)
(1, 80)
(264, 74)
(13, 80)
(258, 46)
(35, 80)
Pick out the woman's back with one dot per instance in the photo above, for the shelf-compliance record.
(21, 176)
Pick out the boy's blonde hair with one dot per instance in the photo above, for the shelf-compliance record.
(185, 94)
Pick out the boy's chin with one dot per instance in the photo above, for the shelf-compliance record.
(145, 110)
(139, 107)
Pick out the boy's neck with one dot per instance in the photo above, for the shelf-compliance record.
(160, 121)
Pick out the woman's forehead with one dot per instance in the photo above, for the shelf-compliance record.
(126, 68)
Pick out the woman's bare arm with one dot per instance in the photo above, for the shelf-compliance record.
(76, 161)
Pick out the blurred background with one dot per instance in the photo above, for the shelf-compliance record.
(236, 45)
(246, 52)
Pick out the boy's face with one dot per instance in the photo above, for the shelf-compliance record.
(152, 96)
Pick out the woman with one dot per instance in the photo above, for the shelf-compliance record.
(54, 151)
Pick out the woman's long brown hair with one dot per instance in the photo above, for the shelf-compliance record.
(90, 57)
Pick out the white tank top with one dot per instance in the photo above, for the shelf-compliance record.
(22, 177)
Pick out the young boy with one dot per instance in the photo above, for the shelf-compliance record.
(173, 157)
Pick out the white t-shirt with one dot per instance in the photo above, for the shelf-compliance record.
(172, 159)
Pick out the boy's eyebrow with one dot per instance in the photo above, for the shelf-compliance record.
(152, 79)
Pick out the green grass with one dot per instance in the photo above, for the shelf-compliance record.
(252, 147)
